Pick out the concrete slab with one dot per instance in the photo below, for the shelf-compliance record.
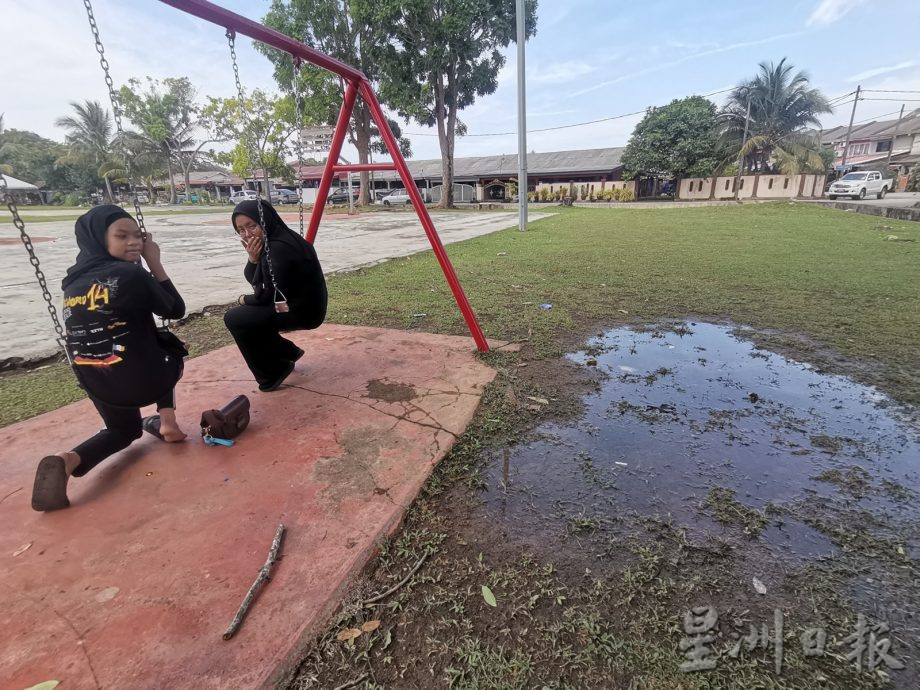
(205, 260)
(133, 586)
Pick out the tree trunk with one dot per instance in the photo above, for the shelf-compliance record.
(188, 182)
(108, 188)
(172, 180)
(362, 143)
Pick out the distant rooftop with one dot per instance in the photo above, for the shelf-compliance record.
(877, 129)
(585, 161)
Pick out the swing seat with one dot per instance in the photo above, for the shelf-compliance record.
(134, 584)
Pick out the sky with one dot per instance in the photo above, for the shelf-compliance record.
(590, 60)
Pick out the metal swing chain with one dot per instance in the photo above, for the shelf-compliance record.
(298, 106)
(116, 113)
(33, 259)
(231, 39)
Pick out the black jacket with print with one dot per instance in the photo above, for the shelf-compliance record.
(112, 337)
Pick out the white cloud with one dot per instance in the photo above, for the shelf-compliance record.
(878, 71)
(560, 72)
(829, 11)
(693, 56)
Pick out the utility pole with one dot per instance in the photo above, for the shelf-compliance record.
(894, 137)
(747, 117)
(522, 117)
(846, 145)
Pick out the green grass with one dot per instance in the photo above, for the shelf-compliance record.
(823, 274)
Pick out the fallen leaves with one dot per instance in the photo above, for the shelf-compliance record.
(488, 596)
(349, 634)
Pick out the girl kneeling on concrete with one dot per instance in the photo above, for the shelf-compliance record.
(293, 299)
(119, 357)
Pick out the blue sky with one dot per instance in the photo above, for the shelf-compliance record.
(590, 60)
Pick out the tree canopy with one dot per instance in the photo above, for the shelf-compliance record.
(676, 140)
(783, 108)
(338, 28)
(435, 59)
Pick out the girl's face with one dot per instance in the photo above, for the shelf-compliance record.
(123, 240)
(247, 228)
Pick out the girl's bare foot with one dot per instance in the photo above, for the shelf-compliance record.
(172, 434)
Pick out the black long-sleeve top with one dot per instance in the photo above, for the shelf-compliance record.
(299, 277)
(112, 336)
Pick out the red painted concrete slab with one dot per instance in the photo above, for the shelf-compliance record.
(133, 586)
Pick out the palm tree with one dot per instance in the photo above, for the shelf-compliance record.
(783, 108)
(89, 136)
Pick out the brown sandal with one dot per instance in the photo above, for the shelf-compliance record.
(50, 489)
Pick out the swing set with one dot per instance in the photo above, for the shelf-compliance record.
(356, 84)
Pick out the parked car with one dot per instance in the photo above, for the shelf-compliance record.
(398, 197)
(858, 185)
(285, 196)
(340, 196)
(243, 195)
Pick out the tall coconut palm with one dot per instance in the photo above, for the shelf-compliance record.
(783, 107)
(89, 136)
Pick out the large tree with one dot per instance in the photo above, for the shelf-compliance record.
(783, 106)
(166, 116)
(339, 28)
(265, 130)
(90, 138)
(437, 56)
(676, 140)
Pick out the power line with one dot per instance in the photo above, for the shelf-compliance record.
(550, 129)
(899, 100)
(889, 91)
(876, 117)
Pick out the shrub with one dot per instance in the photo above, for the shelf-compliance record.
(627, 195)
(913, 182)
(71, 199)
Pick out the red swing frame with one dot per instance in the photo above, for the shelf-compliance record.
(357, 83)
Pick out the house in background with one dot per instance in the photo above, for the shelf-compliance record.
(485, 178)
(873, 141)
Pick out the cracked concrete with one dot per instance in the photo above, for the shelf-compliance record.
(163, 540)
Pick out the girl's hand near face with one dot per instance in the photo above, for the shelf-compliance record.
(151, 254)
(151, 251)
(253, 247)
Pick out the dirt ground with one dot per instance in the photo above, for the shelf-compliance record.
(600, 497)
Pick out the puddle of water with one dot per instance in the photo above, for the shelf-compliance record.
(690, 409)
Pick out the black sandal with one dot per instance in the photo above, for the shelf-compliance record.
(50, 489)
(151, 425)
(276, 384)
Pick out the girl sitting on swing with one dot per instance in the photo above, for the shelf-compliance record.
(289, 293)
(119, 357)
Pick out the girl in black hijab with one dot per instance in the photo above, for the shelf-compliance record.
(112, 340)
(296, 300)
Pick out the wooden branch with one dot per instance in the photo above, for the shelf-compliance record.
(263, 577)
(392, 589)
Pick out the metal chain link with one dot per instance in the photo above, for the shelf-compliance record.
(298, 105)
(33, 259)
(231, 39)
(116, 114)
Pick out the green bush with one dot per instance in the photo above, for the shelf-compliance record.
(913, 181)
(71, 199)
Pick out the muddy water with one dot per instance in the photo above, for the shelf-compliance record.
(697, 407)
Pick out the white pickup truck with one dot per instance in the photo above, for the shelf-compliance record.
(858, 185)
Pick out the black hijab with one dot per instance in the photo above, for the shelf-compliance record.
(275, 228)
(90, 231)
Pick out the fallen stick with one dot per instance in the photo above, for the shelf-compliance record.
(263, 577)
(384, 595)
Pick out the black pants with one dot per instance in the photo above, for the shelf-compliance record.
(122, 428)
(256, 330)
